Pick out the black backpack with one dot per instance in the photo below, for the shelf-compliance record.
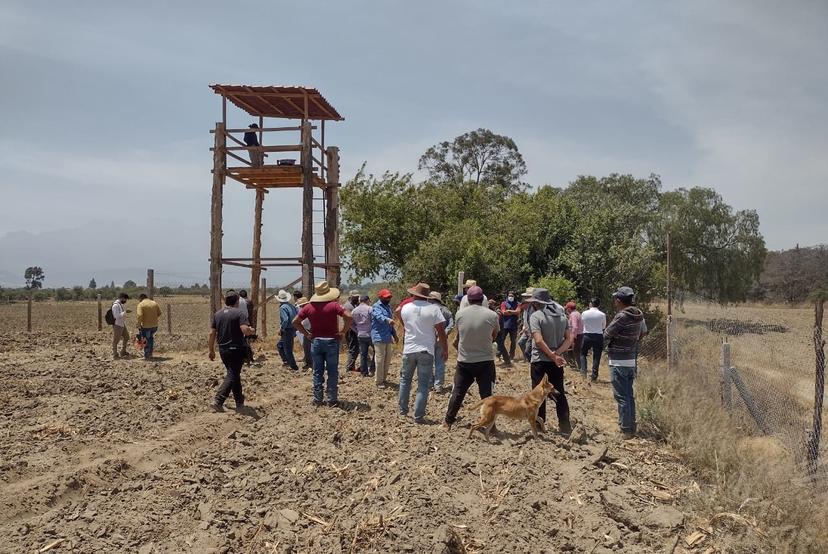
(109, 317)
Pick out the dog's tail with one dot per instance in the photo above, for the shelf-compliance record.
(478, 404)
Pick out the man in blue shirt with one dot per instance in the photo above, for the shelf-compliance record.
(287, 312)
(382, 335)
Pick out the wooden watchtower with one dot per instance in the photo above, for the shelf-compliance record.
(257, 168)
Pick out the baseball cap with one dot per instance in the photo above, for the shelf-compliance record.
(385, 293)
(623, 292)
(571, 305)
(475, 293)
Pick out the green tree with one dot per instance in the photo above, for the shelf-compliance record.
(63, 294)
(165, 291)
(560, 288)
(130, 284)
(715, 252)
(34, 277)
(92, 284)
(480, 157)
(77, 292)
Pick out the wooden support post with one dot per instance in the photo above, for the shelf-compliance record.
(219, 166)
(754, 410)
(727, 394)
(169, 319)
(262, 330)
(29, 313)
(670, 304)
(307, 210)
(461, 280)
(256, 272)
(332, 217)
(819, 388)
(100, 314)
(151, 283)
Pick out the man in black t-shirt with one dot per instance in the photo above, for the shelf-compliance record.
(230, 326)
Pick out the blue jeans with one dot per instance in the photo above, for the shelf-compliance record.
(285, 348)
(149, 334)
(423, 362)
(622, 379)
(364, 358)
(325, 354)
(439, 367)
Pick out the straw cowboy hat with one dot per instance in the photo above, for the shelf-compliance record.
(420, 290)
(436, 296)
(528, 292)
(283, 296)
(302, 301)
(324, 293)
(469, 283)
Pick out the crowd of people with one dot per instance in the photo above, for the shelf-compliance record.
(547, 335)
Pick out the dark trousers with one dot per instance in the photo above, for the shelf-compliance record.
(364, 359)
(285, 348)
(573, 357)
(556, 377)
(306, 348)
(352, 344)
(233, 360)
(501, 346)
(592, 342)
(466, 374)
(512, 334)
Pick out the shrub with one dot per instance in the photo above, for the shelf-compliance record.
(560, 288)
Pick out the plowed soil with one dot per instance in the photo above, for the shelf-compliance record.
(102, 455)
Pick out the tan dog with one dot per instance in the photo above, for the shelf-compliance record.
(523, 407)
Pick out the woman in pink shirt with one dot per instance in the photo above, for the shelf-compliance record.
(576, 329)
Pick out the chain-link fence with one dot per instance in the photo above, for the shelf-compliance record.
(765, 360)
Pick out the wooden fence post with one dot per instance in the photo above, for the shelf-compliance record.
(819, 388)
(169, 319)
(461, 278)
(262, 330)
(100, 314)
(150, 283)
(727, 391)
(29, 313)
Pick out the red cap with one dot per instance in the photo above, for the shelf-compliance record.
(571, 305)
(385, 293)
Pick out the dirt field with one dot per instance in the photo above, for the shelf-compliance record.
(103, 455)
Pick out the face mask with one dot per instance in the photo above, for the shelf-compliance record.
(511, 299)
(385, 301)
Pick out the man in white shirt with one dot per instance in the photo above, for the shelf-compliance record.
(424, 327)
(464, 302)
(594, 322)
(119, 328)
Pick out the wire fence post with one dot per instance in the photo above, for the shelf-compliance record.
(819, 388)
(100, 313)
(151, 283)
(727, 392)
(29, 313)
(169, 319)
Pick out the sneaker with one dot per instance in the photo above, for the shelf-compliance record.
(419, 420)
(239, 407)
(216, 407)
(627, 435)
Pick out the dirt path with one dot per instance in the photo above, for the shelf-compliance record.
(123, 456)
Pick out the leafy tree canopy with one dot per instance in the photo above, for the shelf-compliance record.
(34, 277)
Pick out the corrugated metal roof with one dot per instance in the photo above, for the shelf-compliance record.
(279, 101)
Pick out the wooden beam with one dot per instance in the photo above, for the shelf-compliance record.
(216, 204)
(241, 264)
(256, 272)
(259, 96)
(264, 129)
(322, 107)
(263, 307)
(332, 218)
(307, 211)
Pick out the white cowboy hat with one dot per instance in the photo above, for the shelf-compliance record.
(283, 296)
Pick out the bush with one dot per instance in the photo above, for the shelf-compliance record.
(63, 294)
(560, 288)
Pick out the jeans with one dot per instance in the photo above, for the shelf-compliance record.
(285, 348)
(364, 358)
(573, 356)
(525, 346)
(149, 334)
(594, 342)
(512, 334)
(352, 342)
(233, 360)
(306, 350)
(622, 379)
(325, 354)
(501, 347)
(439, 367)
(423, 362)
(383, 352)
(466, 374)
(556, 377)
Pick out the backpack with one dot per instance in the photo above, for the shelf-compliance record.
(109, 317)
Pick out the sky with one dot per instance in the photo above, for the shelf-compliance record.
(106, 111)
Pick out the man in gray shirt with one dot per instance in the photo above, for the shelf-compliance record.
(477, 326)
(550, 337)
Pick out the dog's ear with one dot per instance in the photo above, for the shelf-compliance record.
(545, 379)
